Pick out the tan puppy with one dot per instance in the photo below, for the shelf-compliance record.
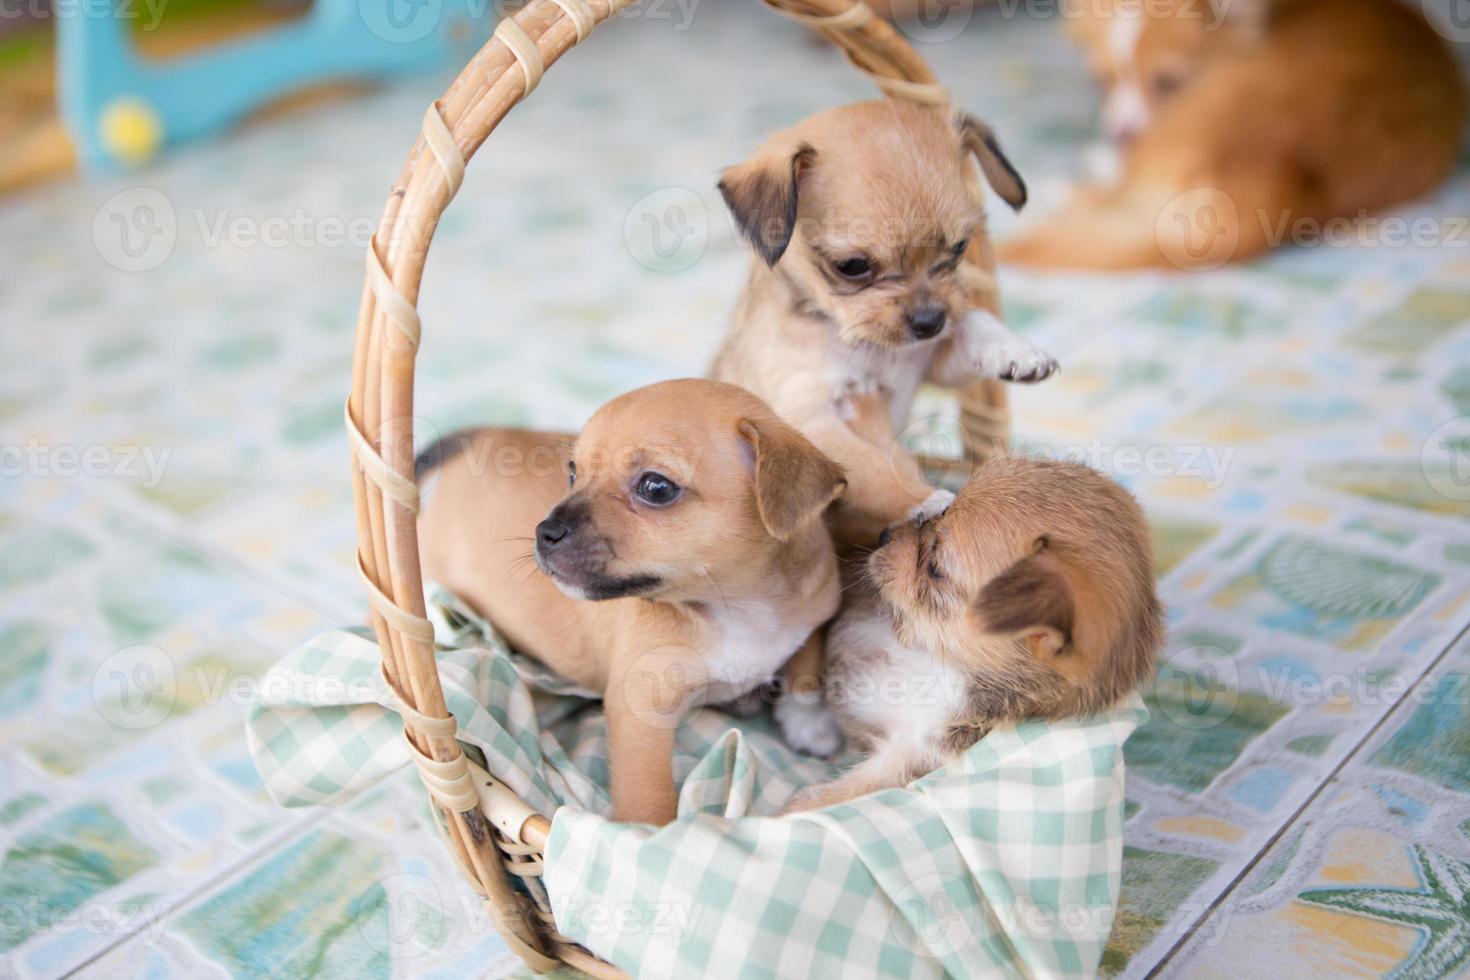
(694, 523)
(1275, 114)
(1032, 596)
(872, 274)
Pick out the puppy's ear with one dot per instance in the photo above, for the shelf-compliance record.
(761, 193)
(977, 138)
(1031, 601)
(794, 481)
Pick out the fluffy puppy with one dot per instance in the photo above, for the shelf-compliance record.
(1271, 112)
(1031, 596)
(872, 273)
(681, 553)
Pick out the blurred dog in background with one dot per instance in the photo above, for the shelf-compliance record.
(1262, 113)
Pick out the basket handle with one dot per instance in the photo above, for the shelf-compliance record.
(379, 409)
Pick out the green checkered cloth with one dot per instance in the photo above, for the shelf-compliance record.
(1006, 862)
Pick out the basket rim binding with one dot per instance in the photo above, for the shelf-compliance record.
(491, 832)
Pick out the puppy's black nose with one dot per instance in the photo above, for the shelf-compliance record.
(927, 321)
(886, 536)
(551, 531)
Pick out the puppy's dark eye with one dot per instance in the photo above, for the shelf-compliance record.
(1165, 84)
(959, 248)
(571, 474)
(857, 268)
(935, 572)
(656, 489)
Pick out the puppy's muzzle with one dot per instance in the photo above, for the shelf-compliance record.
(562, 544)
(551, 532)
(926, 321)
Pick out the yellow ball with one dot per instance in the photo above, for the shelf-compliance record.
(131, 131)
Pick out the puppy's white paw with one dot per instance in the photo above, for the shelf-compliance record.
(996, 352)
(1015, 359)
(807, 726)
(937, 503)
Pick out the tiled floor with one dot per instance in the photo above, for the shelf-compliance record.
(175, 513)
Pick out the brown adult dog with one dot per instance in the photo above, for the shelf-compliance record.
(1032, 596)
(694, 524)
(1268, 116)
(872, 273)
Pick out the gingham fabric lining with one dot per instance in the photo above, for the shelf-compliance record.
(1006, 862)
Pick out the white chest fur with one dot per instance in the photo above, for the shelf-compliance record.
(748, 644)
(866, 369)
(883, 690)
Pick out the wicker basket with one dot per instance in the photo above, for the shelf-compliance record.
(491, 833)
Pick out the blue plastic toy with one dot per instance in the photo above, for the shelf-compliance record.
(121, 108)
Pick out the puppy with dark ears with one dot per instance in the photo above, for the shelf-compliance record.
(872, 273)
(672, 555)
(1031, 596)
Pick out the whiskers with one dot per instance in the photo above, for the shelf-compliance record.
(724, 601)
(525, 566)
